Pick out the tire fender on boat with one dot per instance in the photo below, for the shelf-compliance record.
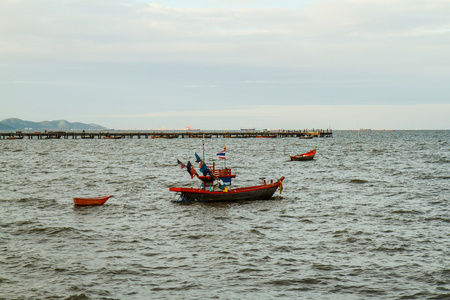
(280, 187)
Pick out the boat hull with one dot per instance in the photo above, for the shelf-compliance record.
(305, 156)
(90, 201)
(302, 157)
(260, 192)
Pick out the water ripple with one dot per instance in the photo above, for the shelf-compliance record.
(368, 218)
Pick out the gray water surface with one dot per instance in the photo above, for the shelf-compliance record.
(367, 218)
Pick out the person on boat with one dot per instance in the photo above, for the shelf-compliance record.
(218, 185)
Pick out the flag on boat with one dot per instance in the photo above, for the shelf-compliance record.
(191, 170)
(203, 167)
(221, 154)
(181, 164)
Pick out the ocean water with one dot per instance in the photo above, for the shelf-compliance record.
(368, 218)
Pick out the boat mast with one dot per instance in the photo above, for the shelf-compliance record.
(225, 160)
(203, 142)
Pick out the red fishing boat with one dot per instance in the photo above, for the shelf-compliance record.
(305, 156)
(258, 192)
(90, 201)
(216, 186)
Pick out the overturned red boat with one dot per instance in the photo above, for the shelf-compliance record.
(305, 156)
(90, 201)
(216, 186)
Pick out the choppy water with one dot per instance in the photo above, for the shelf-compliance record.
(368, 218)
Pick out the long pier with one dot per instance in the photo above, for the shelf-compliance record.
(167, 134)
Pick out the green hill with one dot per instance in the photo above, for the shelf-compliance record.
(5, 127)
(18, 124)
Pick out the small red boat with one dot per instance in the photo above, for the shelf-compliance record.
(216, 187)
(90, 201)
(305, 156)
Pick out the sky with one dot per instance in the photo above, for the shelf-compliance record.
(227, 64)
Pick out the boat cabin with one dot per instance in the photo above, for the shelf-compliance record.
(224, 174)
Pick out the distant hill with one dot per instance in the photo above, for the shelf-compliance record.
(5, 127)
(18, 124)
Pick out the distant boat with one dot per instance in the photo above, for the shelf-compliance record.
(189, 128)
(14, 138)
(115, 137)
(90, 201)
(305, 156)
(248, 129)
(166, 136)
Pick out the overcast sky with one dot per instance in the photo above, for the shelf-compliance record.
(227, 64)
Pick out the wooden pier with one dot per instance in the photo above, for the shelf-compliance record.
(165, 134)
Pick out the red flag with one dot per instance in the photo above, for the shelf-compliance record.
(181, 164)
(221, 154)
(191, 170)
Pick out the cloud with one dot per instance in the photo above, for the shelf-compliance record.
(153, 56)
(356, 33)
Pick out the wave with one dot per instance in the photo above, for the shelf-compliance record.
(358, 181)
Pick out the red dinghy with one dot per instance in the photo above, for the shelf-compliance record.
(216, 186)
(305, 156)
(90, 201)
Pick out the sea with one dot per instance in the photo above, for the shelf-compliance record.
(368, 218)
